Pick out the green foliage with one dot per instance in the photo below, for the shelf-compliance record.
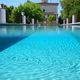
(31, 10)
(8, 13)
(51, 18)
(16, 15)
(70, 7)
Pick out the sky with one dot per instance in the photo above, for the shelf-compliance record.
(18, 2)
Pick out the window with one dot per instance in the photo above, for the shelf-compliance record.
(43, 10)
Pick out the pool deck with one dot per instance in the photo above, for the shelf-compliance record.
(71, 24)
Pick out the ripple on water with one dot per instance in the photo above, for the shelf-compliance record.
(41, 58)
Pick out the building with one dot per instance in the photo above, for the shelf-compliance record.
(49, 8)
(45, 1)
(46, 7)
(2, 14)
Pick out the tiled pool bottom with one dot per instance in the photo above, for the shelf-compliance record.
(42, 56)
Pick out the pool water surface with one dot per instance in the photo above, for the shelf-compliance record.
(44, 55)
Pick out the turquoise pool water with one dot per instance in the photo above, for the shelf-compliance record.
(46, 54)
(10, 35)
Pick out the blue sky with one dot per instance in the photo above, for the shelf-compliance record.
(18, 2)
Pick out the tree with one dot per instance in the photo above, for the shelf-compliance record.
(31, 10)
(60, 20)
(16, 15)
(8, 13)
(51, 18)
(70, 7)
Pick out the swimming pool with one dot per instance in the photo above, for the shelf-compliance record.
(10, 35)
(48, 53)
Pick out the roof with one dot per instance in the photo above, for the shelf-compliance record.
(56, 4)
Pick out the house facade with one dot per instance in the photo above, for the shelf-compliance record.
(49, 8)
(46, 7)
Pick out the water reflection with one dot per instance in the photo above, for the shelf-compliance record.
(24, 29)
(45, 27)
(3, 30)
(20, 30)
(64, 27)
(73, 27)
(58, 30)
(33, 28)
(67, 27)
(38, 27)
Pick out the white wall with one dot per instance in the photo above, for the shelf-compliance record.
(50, 8)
